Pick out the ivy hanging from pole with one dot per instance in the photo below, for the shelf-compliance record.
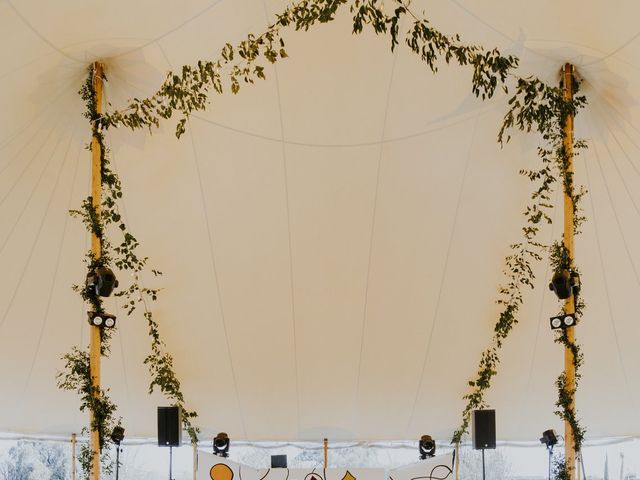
(189, 91)
(541, 108)
(76, 375)
(534, 106)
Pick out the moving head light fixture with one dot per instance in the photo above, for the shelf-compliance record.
(427, 447)
(101, 281)
(549, 438)
(565, 283)
(221, 444)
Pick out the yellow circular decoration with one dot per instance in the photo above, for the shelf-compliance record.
(220, 471)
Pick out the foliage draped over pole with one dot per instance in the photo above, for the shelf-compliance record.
(534, 106)
(77, 373)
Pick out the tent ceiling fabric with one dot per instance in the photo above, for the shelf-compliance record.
(332, 238)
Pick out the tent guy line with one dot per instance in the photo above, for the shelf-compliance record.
(31, 194)
(543, 318)
(62, 94)
(26, 22)
(216, 278)
(35, 240)
(604, 274)
(376, 192)
(436, 309)
(47, 311)
(287, 198)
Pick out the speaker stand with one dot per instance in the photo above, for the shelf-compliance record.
(170, 462)
(550, 449)
(117, 460)
(483, 478)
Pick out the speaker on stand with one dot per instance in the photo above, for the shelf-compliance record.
(170, 431)
(483, 428)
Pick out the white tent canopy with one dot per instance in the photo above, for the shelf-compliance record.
(332, 238)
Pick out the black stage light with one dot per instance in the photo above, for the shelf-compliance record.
(565, 283)
(549, 438)
(102, 281)
(221, 445)
(561, 285)
(102, 320)
(117, 435)
(427, 447)
(562, 321)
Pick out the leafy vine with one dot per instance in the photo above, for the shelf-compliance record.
(542, 108)
(560, 471)
(535, 105)
(188, 91)
(76, 375)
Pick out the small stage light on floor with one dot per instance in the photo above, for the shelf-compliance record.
(221, 445)
(562, 321)
(427, 447)
(116, 437)
(102, 320)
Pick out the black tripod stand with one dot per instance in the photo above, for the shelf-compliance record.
(550, 450)
(170, 462)
(116, 437)
(117, 460)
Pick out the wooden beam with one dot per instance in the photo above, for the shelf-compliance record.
(325, 446)
(73, 456)
(195, 459)
(569, 368)
(95, 341)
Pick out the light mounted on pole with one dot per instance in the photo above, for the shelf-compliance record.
(565, 284)
(563, 321)
(102, 319)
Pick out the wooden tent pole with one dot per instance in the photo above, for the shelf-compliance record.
(195, 459)
(569, 368)
(95, 341)
(73, 456)
(325, 446)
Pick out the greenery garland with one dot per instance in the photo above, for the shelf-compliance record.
(534, 106)
(76, 375)
(189, 91)
(561, 260)
(543, 108)
(560, 471)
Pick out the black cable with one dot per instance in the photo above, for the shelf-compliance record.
(265, 475)
(431, 477)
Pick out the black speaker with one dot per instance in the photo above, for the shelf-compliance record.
(169, 426)
(483, 426)
(278, 461)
